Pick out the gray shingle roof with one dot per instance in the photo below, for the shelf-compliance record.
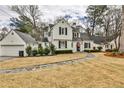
(97, 39)
(84, 36)
(26, 37)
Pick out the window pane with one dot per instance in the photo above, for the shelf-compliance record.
(62, 31)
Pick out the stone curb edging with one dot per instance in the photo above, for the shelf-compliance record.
(42, 66)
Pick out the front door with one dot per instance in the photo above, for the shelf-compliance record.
(78, 46)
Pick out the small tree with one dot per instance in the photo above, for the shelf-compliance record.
(99, 48)
(46, 51)
(40, 49)
(52, 49)
(29, 50)
(34, 52)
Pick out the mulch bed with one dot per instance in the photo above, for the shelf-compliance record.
(114, 55)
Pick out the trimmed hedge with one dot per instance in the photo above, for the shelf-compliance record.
(109, 50)
(63, 51)
(91, 50)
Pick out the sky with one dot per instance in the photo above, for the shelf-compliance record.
(49, 12)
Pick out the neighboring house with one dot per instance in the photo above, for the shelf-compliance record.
(15, 43)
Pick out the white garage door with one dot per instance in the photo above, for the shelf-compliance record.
(11, 50)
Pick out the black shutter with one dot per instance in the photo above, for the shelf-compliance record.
(65, 44)
(59, 30)
(66, 31)
(59, 45)
(89, 45)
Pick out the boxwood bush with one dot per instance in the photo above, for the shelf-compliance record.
(34, 52)
(46, 51)
(63, 51)
(91, 50)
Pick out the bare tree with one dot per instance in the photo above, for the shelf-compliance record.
(30, 14)
(116, 25)
(87, 24)
(4, 32)
(122, 32)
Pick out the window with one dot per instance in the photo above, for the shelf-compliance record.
(106, 46)
(59, 30)
(77, 35)
(62, 21)
(87, 45)
(62, 44)
(66, 31)
(12, 33)
(62, 31)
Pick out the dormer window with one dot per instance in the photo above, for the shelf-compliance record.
(62, 21)
(12, 33)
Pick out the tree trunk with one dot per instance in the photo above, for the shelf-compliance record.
(122, 32)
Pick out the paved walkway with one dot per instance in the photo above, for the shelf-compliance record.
(42, 66)
(5, 58)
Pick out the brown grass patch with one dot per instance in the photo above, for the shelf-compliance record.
(28, 61)
(101, 71)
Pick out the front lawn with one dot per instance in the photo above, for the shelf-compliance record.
(28, 61)
(101, 71)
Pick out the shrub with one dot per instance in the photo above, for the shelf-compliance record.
(34, 52)
(63, 51)
(46, 51)
(99, 48)
(114, 53)
(115, 50)
(108, 50)
(29, 50)
(40, 50)
(52, 49)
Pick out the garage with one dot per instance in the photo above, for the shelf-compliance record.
(12, 50)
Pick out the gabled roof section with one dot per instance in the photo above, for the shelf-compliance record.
(26, 37)
(52, 25)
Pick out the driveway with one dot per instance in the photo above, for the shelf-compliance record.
(5, 58)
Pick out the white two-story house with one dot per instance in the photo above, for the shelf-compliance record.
(68, 37)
